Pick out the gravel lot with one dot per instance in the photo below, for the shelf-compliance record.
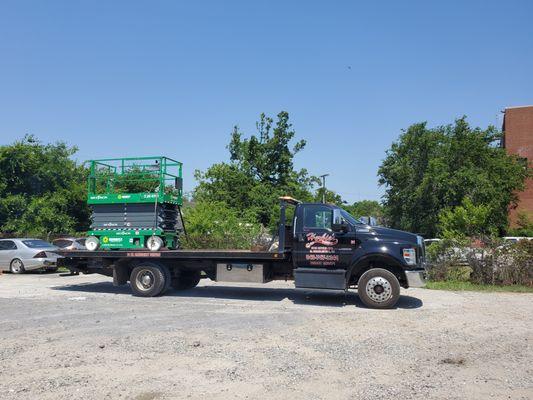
(78, 337)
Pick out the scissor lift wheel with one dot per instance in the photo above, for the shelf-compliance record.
(154, 243)
(92, 243)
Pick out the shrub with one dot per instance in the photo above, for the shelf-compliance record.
(514, 264)
(447, 260)
(213, 225)
(494, 262)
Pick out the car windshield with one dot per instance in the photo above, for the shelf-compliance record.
(36, 243)
(349, 217)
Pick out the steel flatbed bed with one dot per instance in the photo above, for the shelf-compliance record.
(197, 254)
(180, 268)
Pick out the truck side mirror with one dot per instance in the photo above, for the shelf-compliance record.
(339, 224)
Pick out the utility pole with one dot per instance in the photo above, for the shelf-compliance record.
(324, 187)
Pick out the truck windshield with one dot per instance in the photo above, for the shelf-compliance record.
(348, 217)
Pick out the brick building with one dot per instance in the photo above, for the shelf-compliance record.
(518, 139)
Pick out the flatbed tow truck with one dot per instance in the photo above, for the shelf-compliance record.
(324, 248)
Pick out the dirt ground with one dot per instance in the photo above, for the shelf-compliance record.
(78, 337)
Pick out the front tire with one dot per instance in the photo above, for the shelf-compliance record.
(378, 288)
(148, 280)
(17, 266)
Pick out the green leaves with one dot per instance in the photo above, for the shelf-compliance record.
(524, 225)
(467, 220)
(215, 225)
(42, 190)
(260, 170)
(428, 171)
(365, 208)
(266, 157)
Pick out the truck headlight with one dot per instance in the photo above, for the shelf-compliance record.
(409, 255)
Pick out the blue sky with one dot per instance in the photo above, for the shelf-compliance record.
(127, 78)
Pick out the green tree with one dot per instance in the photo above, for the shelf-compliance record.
(331, 197)
(42, 190)
(260, 169)
(429, 170)
(365, 208)
(466, 220)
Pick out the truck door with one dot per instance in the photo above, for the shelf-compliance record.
(316, 244)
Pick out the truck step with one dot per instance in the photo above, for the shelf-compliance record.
(320, 278)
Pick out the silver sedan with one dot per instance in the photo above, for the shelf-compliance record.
(20, 255)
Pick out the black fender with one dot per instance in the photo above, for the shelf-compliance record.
(376, 259)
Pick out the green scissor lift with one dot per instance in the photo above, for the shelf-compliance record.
(136, 203)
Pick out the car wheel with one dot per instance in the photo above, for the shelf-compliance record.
(17, 266)
(148, 280)
(378, 288)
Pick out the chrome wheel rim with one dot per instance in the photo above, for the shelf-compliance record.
(16, 266)
(145, 280)
(379, 289)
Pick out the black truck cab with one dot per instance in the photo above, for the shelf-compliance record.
(332, 250)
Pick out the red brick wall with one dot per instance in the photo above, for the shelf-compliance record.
(518, 139)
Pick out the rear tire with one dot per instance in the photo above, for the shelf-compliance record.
(148, 280)
(17, 266)
(378, 288)
(168, 278)
(187, 280)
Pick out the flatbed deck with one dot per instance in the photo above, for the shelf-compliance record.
(194, 254)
